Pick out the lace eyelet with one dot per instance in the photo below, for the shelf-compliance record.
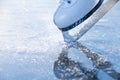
(69, 1)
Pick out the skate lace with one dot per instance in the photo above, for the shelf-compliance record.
(65, 1)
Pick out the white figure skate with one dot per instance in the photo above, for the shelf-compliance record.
(70, 14)
(73, 12)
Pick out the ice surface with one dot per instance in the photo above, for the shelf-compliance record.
(30, 42)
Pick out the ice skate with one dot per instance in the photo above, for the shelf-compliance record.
(70, 14)
(73, 12)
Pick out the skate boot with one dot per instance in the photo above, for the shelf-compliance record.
(71, 13)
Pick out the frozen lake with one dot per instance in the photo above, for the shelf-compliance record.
(30, 42)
